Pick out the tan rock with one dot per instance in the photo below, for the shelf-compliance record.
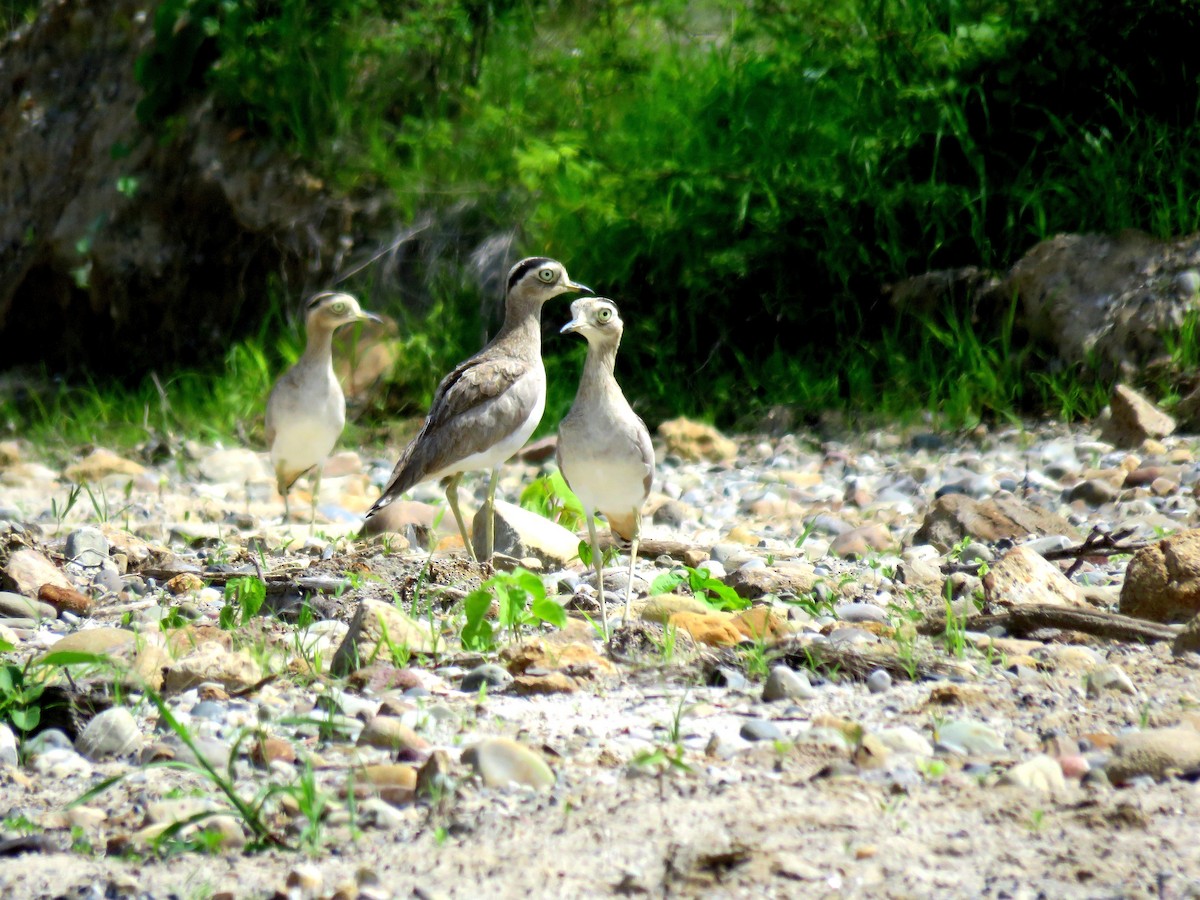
(28, 570)
(394, 782)
(1188, 640)
(953, 694)
(1156, 752)
(862, 541)
(1162, 581)
(694, 441)
(184, 583)
(713, 628)
(1134, 419)
(661, 607)
(10, 453)
(520, 533)
(234, 670)
(101, 463)
(390, 733)
(576, 658)
(955, 516)
(783, 578)
(1040, 774)
(365, 639)
(550, 683)
(1023, 577)
(759, 623)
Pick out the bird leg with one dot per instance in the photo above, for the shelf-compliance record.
(452, 499)
(598, 562)
(489, 521)
(316, 495)
(637, 535)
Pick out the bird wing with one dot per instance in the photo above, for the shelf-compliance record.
(478, 403)
(646, 448)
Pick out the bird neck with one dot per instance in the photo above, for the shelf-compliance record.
(318, 345)
(522, 328)
(598, 368)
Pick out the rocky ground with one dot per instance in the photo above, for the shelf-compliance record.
(919, 664)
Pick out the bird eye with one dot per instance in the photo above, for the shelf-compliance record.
(603, 314)
(547, 275)
(339, 307)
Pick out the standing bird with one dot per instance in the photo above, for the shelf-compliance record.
(485, 410)
(306, 410)
(604, 449)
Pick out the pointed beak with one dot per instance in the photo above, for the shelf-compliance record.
(369, 317)
(582, 288)
(573, 325)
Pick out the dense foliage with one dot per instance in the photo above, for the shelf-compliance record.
(742, 176)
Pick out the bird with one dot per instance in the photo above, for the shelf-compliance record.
(488, 406)
(306, 409)
(604, 450)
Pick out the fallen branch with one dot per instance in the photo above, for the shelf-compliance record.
(1024, 620)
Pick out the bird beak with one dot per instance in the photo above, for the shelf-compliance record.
(573, 325)
(369, 317)
(582, 288)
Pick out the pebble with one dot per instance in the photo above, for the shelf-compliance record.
(17, 606)
(500, 762)
(8, 746)
(760, 730)
(113, 732)
(968, 738)
(1041, 774)
(785, 683)
(879, 681)
(87, 547)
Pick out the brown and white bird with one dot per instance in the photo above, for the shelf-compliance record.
(306, 410)
(485, 410)
(604, 449)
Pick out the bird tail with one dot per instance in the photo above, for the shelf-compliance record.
(622, 525)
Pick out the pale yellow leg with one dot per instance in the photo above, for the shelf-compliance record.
(598, 563)
(633, 550)
(452, 499)
(489, 521)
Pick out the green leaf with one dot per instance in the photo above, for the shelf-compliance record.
(665, 583)
(585, 553)
(25, 719)
(477, 634)
(5, 646)
(548, 611)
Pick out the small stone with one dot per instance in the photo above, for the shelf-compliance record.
(862, 542)
(267, 750)
(1162, 581)
(879, 681)
(113, 732)
(1094, 492)
(548, 683)
(784, 683)
(184, 583)
(99, 464)
(969, 738)
(235, 465)
(903, 739)
(27, 570)
(1133, 419)
(860, 612)
(87, 547)
(500, 762)
(390, 733)
(488, 675)
(760, 730)
(1109, 678)
(1024, 577)
(1188, 640)
(233, 670)
(18, 606)
(758, 623)
(1156, 753)
(394, 782)
(365, 638)
(1041, 774)
(307, 879)
(8, 746)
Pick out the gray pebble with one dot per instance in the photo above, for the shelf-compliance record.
(760, 730)
(861, 612)
(87, 547)
(490, 675)
(113, 732)
(785, 683)
(724, 676)
(208, 709)
(18, 606)
(879, 681)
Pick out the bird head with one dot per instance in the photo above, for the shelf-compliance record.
(332, 309)
(538, 278)
(596, 319)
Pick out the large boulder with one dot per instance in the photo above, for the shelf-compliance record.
(1162, 581)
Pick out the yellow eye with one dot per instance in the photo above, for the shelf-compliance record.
(546, 275)
(340, 307)
(603, 314)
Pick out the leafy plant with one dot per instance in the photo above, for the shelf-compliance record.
(522, 601)
(552, 498)
(702, 584)
(22, 686)
(244, 597)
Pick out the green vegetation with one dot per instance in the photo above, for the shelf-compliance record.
(521, 599)
(742, 178)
